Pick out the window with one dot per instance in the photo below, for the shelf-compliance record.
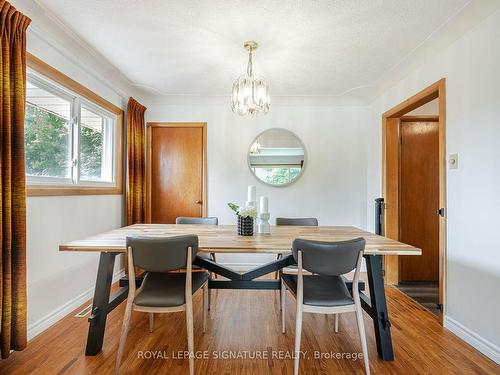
(72, 144)
(47, 134)
(96, 145)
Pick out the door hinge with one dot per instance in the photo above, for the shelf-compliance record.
(441, 212)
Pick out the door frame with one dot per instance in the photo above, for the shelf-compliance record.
(391, 141)
(149, 126)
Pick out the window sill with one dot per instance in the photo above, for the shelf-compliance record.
(43, 190)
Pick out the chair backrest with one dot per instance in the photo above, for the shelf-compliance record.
(197, 220)
(157, 254)
(328, 258)
(298, 221)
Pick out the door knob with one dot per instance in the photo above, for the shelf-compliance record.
(198, 202)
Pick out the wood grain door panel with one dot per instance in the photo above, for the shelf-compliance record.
(419, 199)
(176, 173)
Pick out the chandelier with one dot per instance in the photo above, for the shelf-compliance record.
(250, 94)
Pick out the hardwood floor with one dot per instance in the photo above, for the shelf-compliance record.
(244, 321)
(425, 293)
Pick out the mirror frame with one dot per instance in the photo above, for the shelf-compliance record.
(301, 170)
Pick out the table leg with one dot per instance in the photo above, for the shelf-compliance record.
(97, 320)
(377, 307)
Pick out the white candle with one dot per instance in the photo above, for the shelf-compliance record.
(252, 193)
(264, 204)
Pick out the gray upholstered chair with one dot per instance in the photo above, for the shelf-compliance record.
(162, 291)
(295, 221)
(325, 291)
(199, 221)
(298, 221)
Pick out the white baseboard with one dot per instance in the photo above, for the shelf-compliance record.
(486, 347)
(59, 313)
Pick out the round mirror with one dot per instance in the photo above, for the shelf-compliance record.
(276, 157)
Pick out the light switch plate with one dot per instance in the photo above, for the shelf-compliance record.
(453, 161)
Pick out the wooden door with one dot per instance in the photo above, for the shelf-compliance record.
(176, 172)
(419, 199)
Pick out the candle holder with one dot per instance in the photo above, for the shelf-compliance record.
(263, 225)
(251, 197)
(251, 204)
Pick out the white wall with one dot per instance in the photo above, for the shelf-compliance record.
(332, 186)
(471, 68)
(60, 282)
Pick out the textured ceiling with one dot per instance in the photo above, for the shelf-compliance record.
(314, 47)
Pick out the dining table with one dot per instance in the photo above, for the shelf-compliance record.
(225, 239)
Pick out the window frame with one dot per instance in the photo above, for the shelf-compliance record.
(65, 87)
(91, 107)
(54, 89)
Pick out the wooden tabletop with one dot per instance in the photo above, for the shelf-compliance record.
(224, 239)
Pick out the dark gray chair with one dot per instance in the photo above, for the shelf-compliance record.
(162, 291)
(325, 291)
(295, 221)
(298, 221)
(199, 221)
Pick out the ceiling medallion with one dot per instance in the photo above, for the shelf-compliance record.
(250, 94)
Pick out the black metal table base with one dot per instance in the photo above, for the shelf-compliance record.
(102, 303)
(375, 305)
(245, 280)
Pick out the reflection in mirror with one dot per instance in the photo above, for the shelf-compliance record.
(276, 157)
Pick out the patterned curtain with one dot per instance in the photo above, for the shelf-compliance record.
(135, 190)
(13, 26)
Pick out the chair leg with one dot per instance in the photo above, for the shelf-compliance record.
(212, 255)
(281, 295)
(362, 337)
(209, 298)
(205, 306)
(283, 302)
(214, 275)
(151, 322)
(123, 337)
(189, 326)
(298, 333)
(336, 323)
(277, 258)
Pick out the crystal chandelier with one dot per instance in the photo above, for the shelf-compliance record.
(250, 94)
